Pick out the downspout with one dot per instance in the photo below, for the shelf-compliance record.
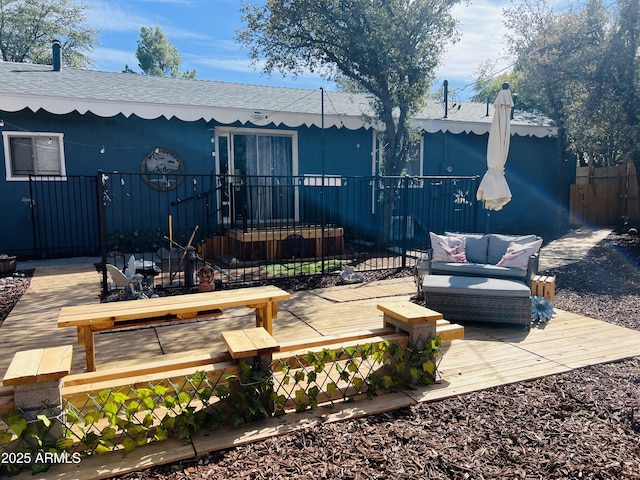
(322, 191)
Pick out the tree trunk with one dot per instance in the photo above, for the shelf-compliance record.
(397, 139)
(387, 194)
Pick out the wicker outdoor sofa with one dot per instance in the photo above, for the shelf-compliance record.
(481, 277)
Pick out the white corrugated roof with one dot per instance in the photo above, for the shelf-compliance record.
(107, 94)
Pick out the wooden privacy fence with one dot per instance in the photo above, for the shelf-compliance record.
(602, 195)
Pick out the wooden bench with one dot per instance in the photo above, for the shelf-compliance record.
(250, 342)
(413, 318)
(38, 366)
(89, 319)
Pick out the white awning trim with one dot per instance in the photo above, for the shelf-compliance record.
(187, 113)
(227, 116)
(481, 128)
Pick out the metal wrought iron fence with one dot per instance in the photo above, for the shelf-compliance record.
(256, 228)
(249, 228)
(64, 216)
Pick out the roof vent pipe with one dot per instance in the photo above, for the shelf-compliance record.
(445, 86)
(57, 55)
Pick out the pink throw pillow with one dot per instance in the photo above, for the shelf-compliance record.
(448, 249)
(517, 255)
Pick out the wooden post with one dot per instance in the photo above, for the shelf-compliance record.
(90, 348)
(265, 313)
(259, 345)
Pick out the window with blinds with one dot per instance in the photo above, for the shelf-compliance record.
(38, 154)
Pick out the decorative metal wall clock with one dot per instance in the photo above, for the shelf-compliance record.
(162, 169)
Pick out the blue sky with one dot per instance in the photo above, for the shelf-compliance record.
(204, 30)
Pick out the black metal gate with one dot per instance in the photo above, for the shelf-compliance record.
(64, 216)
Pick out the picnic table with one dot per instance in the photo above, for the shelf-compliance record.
(89, 319)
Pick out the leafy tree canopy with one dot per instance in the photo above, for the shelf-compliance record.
(581, 67)
(388, 48)
(27, 28)
(157, 56)
(487, 84)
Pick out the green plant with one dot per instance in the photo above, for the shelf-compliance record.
(410, 366)
(332, 374)
(116, 418)
(250, 395)
(31, 442)
(300, 268)
(151, 413)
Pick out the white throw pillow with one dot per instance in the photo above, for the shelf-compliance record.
(448, 248)
(517, 255)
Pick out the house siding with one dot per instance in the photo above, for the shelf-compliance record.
(538, 204)
(126, 141)
(539, 187)
(346, 152)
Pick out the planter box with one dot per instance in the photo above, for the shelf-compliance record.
(7, 265)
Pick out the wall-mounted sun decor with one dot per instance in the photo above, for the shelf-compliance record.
(162, 169)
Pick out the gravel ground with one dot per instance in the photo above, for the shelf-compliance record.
(581, 424)
(11, 289)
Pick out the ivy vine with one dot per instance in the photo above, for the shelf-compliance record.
(161, 411)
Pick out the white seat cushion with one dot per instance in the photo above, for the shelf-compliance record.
(480, 286)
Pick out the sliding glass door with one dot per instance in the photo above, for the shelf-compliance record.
(262, 165)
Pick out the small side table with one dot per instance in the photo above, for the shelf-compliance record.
(544, 286)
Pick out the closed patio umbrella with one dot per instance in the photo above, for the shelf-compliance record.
(493, 190)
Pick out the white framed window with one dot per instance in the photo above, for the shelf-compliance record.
(414, 165)
(413, 168)
(34, 153)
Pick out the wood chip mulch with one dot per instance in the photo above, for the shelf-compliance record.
(12, 286)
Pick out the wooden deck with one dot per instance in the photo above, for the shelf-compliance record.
(487, 356)
(491, 355)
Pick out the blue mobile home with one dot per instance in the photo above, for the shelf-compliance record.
(208, 141)
(538, 175)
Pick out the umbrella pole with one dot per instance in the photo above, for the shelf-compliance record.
(488, 223)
